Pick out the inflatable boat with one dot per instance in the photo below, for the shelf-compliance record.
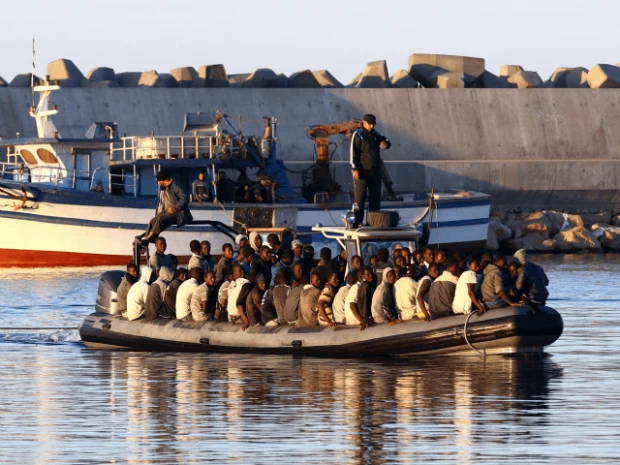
(500, 331)
(503, 331)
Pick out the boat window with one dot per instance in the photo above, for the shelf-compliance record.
(47, 157)
(28, 157)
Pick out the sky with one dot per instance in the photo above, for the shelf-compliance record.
(292, 35)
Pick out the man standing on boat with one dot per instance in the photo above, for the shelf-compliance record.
(366, 163)
(172, 207)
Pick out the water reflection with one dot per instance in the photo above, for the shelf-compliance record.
(181, 407)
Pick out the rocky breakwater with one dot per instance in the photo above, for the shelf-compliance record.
(552, 231)
(422, 70)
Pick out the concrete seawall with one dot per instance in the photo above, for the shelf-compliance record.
(534, 148)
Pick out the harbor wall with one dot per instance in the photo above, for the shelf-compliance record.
(529, 148)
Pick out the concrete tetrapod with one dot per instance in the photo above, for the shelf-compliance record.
(326, 79)
(24, 80)
(148, 79)
(65, 72)
(403, 80)
(101, 74)
(129, 78)
(303, 80)
(262, 78)
(450, 80)
(235, 80)
(212, 76)
(3, 83)
(568, 78)
(509, 70)
(491, 81)
(526, 80)
(375, 76)
(354, 81)
(423, 67)
(184, 75)
(604, 77)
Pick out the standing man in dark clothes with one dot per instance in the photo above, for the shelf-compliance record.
(276, 246)
(172, 207)
(283, 264)
(307, 259)
(366, 163)
(223, 269)
(339, 264)
(170, 300)
(224, 189)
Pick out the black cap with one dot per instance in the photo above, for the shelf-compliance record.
(163, 176)
(370, 119)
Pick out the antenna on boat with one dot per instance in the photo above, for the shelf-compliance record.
(32, 74)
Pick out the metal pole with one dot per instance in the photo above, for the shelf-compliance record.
(135, 181)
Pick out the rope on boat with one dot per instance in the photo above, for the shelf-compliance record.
(481, 353)
(245, 227)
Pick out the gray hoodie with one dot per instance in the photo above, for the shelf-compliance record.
(157, 293)
(492, 283)
(383, 302)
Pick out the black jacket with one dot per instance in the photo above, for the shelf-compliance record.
(365, 153)
(175, 197)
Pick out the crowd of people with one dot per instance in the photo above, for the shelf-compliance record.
(270, 284)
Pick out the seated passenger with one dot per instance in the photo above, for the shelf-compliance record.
(262, 265)
(514, 271)
(405, 291)
(240, 242)
(338, 305)
(254, 300)
(204, 299)
(533, 282)
(493, 285)
(465, 294)
(205, 251)
(298, 248)
(185, 292)
(442, 291)
(159, 258)
(201, 189)
(155, 305)
(280, 294)
(440, 258)
(268, 312)
(197, 260)
(423, 293)
(356, 264)
(307, 259)
(324, 267)
(299, 278)
(237, 297)
(283, 264)
(383, 305)
(221, 312)
(256, 241)
(130, 278)
(308, 301)
(223, 269)
(418, 258)
(136, 298)
(326, 299)
(170, 300)
(359, 300)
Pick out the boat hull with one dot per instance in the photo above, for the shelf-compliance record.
(64, 228)
(510, 330)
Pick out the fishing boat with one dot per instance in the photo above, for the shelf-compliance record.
(81, 201)
(511, 330)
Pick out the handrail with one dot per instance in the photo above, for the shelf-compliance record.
(152, 147)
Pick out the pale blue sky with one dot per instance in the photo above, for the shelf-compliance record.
(290, 35)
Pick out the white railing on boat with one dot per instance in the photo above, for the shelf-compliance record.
(169, 147)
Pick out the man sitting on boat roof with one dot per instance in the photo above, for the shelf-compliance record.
(173, 207)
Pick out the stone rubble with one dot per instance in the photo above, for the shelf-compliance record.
(552, 231)
(423, 70)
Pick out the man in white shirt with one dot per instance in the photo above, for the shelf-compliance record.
(237, 297)
(338, 306)
(184, 294)
(136, 298)
(465, 295)
(405, 291)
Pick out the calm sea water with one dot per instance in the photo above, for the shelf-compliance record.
(62, 403)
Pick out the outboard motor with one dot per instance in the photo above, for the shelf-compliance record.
(106, 294)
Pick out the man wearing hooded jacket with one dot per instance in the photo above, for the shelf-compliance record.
(366, 164)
